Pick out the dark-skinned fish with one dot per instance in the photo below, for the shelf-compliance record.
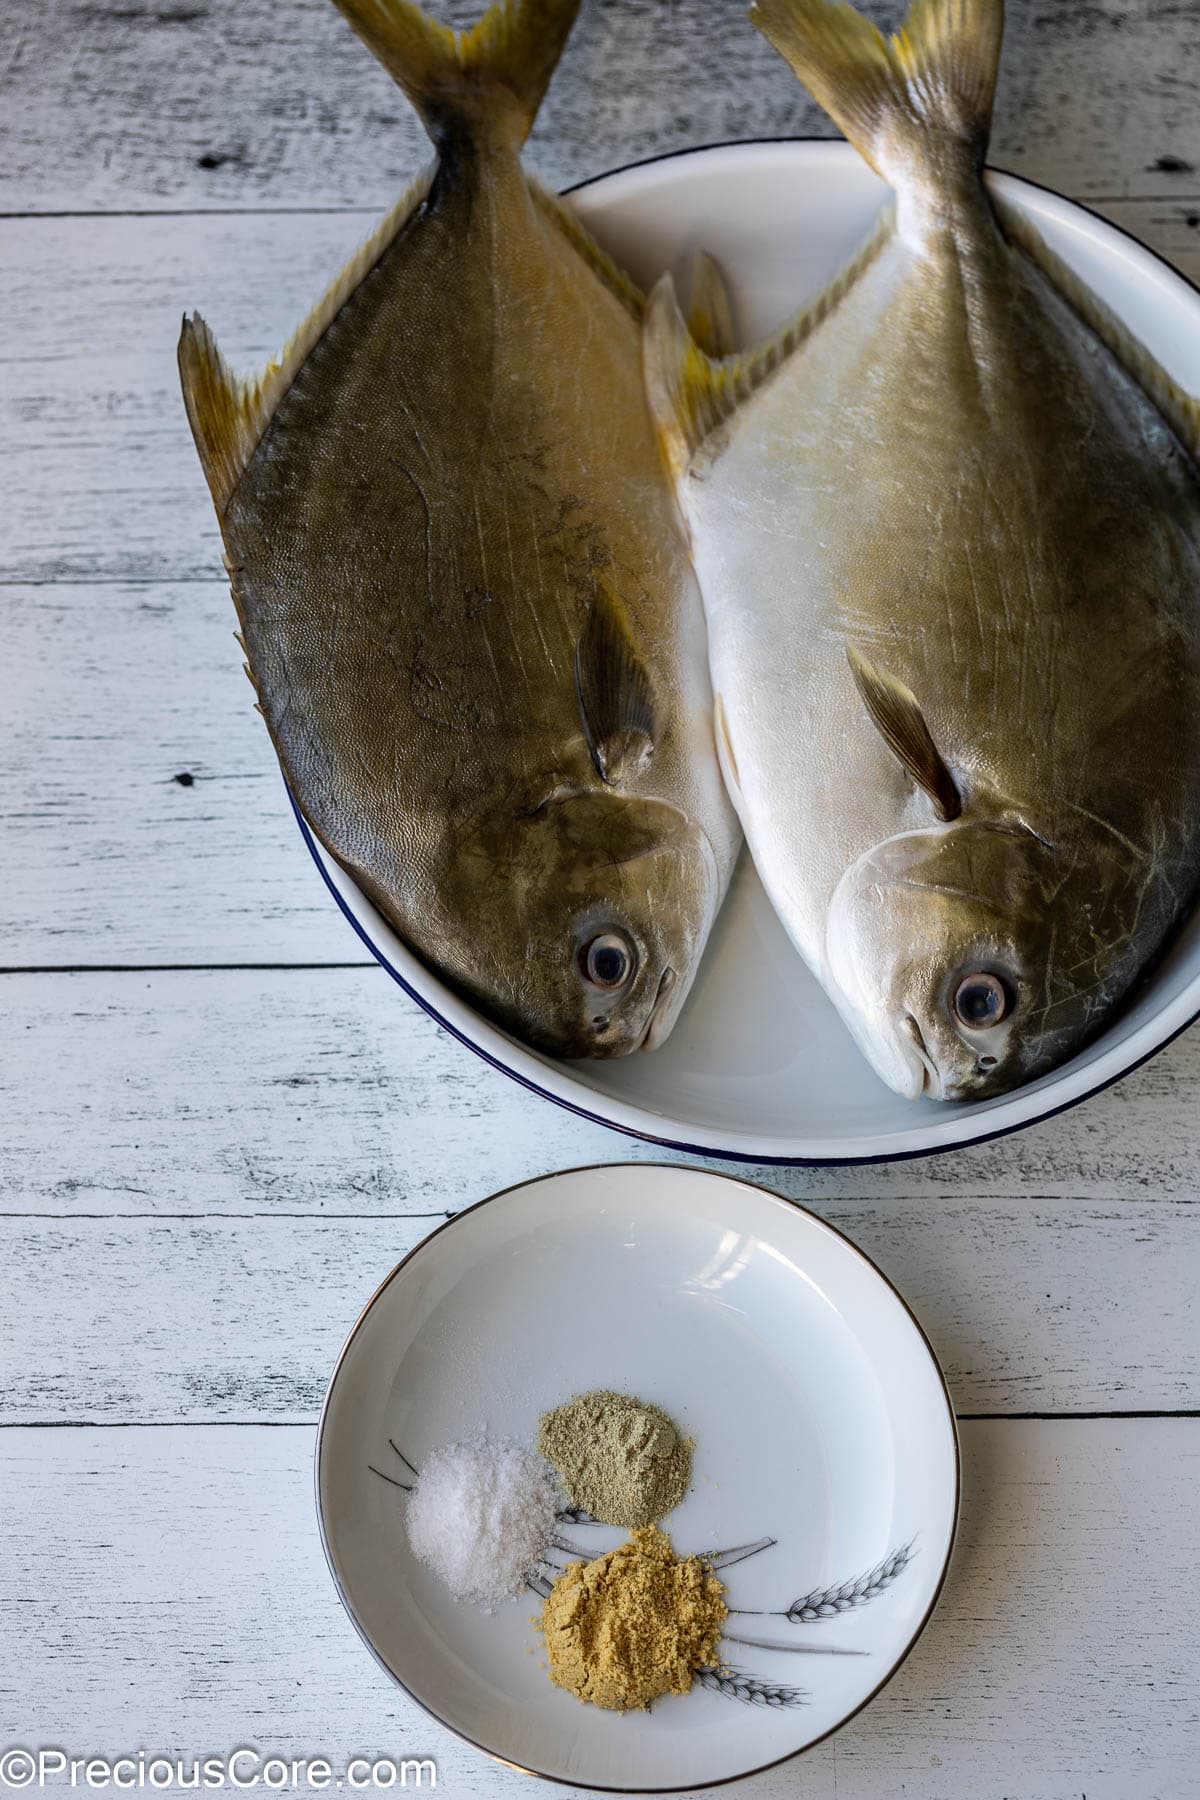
(947, 525)
(465, 597)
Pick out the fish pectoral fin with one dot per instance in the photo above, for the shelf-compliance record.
(901, 101)
(616, 700)
(900, 722)
(1180, 409)
(710, 313)
(503, 65)
(725, 752)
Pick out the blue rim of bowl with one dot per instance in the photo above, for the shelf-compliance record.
(682, 1146)
(791, 1205)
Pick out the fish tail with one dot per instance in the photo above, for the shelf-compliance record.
(903, 102)
(500, 70)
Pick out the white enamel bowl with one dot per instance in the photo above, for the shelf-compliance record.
(819, 1416)
(759, 1065)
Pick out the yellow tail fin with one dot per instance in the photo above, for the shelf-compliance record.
(897, 99)
(453, 77)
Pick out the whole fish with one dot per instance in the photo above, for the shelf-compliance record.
(464, 591)
(947, 526)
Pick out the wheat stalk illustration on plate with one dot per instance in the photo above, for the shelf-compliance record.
(832, 1602)
(813, 1608)
(735, 1684)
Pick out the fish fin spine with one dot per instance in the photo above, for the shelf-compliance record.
(561, 215)
(229, 413)
(691, 393)
(502, 66)
(223, 409)
(710, 310)
(933, 83)
(897, 716)
(615, 696)
(1178, 407)
(685, 388)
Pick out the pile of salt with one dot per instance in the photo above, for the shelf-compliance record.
(480, 1515)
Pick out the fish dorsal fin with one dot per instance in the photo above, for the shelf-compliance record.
(901, 723)
(710, 312)
(580, 238)
(500, 67)
(229, 413)
(616, 700)
(1180, 409)
(692, 393)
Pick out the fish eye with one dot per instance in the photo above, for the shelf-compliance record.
(608, 961)
(981, 1000)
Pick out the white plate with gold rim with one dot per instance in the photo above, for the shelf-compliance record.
(820, 1420)
(759, 1065)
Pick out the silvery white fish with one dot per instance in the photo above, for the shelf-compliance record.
(464, 591)
(947, 526)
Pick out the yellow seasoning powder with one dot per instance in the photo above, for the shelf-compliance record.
(634, 1624)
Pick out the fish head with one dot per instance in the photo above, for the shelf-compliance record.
(949, 955)
(599, 905)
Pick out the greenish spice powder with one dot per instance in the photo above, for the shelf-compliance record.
(621, 1459)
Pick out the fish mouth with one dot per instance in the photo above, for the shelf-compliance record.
(656, 1024)
(930, 1081)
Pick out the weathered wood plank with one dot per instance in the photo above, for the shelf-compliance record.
(307, 1148)
(329, 1092)
(101, 475)
(143, 817)
(245, 103)
(96, 462)
(1061, 1660)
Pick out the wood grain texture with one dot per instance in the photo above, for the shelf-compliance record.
(136, 778)
(215, 1623)
(329, 1092)
(243, 103)
(241, 1319)
(255, 1150)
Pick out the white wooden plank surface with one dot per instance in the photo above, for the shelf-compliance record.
(108, 857)
(1030, 1308)
(235, 103)
(215, 1624)
(257, 1148)
(328, 1091)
